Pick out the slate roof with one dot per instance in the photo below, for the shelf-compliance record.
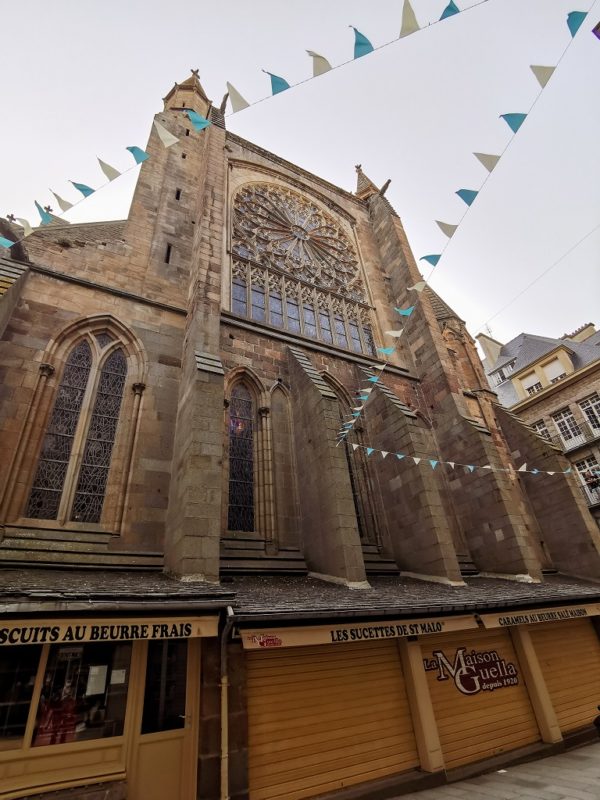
(441, 309)
(265, 598)
(80, 234)
(56, 589)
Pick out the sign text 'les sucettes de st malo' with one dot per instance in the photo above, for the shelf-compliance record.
(103, 630)
(352, 632)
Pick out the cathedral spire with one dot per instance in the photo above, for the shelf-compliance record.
(188, 94)
(364, 186)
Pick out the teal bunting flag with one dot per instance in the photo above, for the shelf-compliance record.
(575, 20)
(364, 397)
(369, 450)
(362, 45)
(468, 195)
(139, 154)
(450, 10)
(405, 312)
(433, 463)
(387, 351)
(568, 471)
(514, 121)
(45, 216)
(356, 413)
(278, 84)
(433, 260)
(4, 242)
(198, 121)
(86, 191)
(535, 471)
(373, 380)
(399, 456)
(470, 467)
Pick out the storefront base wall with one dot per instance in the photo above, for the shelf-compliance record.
(114, 790)
(325, 718)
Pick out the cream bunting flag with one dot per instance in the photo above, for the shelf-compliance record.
(320, 63)
(396, 334)
(416, 460)
(27, 229)
(164, 135)
(64, 204)
(384, 453)
(409, 20)
(446, 228)
(110, 172)
(522, 468)
(354, 445)
(542, 74)
(238, 103)
(489, 161)
(418, 287)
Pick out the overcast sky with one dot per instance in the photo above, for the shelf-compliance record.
(83, 78)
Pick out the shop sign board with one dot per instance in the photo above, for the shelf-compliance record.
(105, 630)
(352, 632)
(472, 671)
(537, 615)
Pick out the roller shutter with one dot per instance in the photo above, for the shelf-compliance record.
(322, 718)
(487, 721)
(569, 655)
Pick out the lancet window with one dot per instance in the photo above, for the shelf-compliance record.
(294, 268)
(240, 512)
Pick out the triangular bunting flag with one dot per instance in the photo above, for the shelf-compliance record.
(468, 195)
(574, 20)
(199, 122)
(451, 463)
(357, 408)
(400, 456)
(370, 450)
(450, 10)
(470, 467)
(238, 103)
(366, 391)
(320, 63)
(405, 312)
(416, 460)
(384, 453)
(46, 217)
(4, 242)
(141, 155)
(552, 473)
(596, 31)
(418, 287)
(27, 229)
(535, 471)
(277, 84)
(387, 351)
(354, 445)
(110, 172)
(409, 20)
(364, 397)
(487, 466)
(395, 334)
(433, 260)
(446, 228)
(356, 413)
(488, 160)
(568, 471)
(164, 135)
(542, 74)
(373, 379)
(64, 204)
(514, 121)
(362, 45)
(522, 468)
(433, 463)
(86, 191)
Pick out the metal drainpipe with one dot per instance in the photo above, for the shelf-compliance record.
(225, 707)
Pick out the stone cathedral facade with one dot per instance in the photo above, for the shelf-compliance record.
(205, 594)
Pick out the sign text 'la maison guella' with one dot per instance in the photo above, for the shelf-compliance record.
(473, 672)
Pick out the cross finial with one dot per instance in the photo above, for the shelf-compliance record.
(358, 167)
(195, 72)
(11, 218)
(48, 209)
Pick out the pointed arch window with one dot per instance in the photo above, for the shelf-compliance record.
(78, 443)
(240, 512)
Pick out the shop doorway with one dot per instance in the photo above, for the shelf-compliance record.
(162, 760)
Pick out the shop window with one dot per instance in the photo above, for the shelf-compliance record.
(84, 693)
(164, 696)
(240, 515)
(18, 669)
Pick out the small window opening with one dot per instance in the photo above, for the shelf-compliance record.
(187, 131)
(168, 254)
(183, 155)
(177, 194)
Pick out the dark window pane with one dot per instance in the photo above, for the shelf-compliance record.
(258, 303)
(18, 668)
(276, 309)
(46, 491)
(293, 314)
(368, 334)
(325, 323)
(97, 453)
(240, 515)
(164, 695)
(239, 302)
(340, 332)
(84, 694)
(310, 322)
(355, 336)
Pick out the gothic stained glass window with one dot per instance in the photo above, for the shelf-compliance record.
(93, 474)
(48, 483)
(238, 297)
(240, 516)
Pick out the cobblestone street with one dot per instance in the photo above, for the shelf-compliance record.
(569, 776)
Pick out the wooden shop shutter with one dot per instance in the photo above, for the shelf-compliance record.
(322, 718)
(477, 726)
(569, 655)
